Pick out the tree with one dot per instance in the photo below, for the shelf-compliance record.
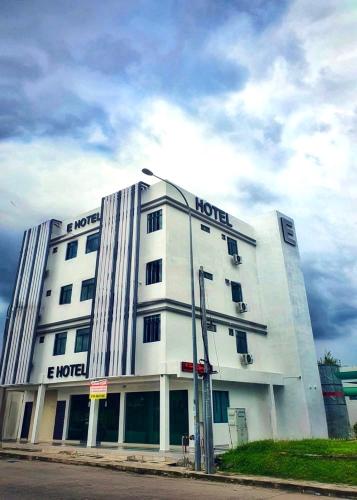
(329, 359)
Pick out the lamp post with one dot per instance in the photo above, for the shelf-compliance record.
(194, 336)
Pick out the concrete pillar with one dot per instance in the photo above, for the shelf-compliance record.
(66, 418)
(164, 413)
(274, 426)
(121, 433)
(26, 397)
(92, 425)
(41, 392)
(2, 411)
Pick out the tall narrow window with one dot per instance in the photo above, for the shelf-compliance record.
(220, 406)
(152, 328)
(154, 221)
(66, 294)
(237, 295)
(87, 291)
(154, 272)
(82, 340)
(241, 340)
(232, 246)
(60, 344)
(92, 243)
(71, 251)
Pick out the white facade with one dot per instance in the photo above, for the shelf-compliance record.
(280, 391)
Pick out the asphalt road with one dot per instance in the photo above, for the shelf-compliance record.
(40, 480)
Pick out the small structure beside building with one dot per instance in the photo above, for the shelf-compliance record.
(348, 375)
(338, 423)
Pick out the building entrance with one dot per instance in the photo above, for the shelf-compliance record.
(108, 418)
(142, 419)
(78, 417)
(178, 416)
(26, 420)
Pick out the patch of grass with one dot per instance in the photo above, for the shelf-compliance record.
(323, 460)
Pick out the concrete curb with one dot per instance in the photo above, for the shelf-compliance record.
(329, 490)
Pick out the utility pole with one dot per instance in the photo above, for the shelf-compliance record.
(207, 393)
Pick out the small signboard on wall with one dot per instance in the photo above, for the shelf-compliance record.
(98, 389)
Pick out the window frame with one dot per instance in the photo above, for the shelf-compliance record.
(152, 328)
(154, 221)
(80, 335)
(71, 250)
(88, 284)
(236, 291)
(153, 275)
(63, 293)
(232, 246)
(60, 341)
(205, 229)
(241, 342)
(91, 237)
(220, 407)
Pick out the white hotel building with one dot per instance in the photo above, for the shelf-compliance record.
(106, 294)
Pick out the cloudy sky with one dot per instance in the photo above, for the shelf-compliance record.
(251, 104)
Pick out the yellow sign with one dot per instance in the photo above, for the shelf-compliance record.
(98, 396)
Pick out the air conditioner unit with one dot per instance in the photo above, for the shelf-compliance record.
(242, 307)
(236, 259)
(246, 359)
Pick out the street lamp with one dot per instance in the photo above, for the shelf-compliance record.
(194, 336)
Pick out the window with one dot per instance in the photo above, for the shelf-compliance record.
(220, 405)
(60, 344)
(154, 221)
(236, 292)
(211, 327)
(154, 272)
(66, 294)
(208, 276)
(231, 332)
(206, 229)
(87, 291)
(241, 341)
(71, 251)
(82, 340)
(232, 246)
(223, 236)
(48, 293)
(54, 249)
(42, 340)
(152, 328)
(92, 244)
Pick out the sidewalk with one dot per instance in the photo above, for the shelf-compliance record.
(142, 461)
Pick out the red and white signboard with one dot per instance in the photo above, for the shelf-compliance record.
(98, 389)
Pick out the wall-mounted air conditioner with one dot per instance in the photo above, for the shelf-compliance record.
(246, 359)
(242, 307)
(236, 259)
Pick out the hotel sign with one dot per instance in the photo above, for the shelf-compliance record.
(64, 371)
(211, 211)
(84, 221)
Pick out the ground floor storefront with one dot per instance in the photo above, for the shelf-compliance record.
(156, 411)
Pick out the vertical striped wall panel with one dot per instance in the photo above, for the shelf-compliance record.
(23, 313)
(113, 323)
